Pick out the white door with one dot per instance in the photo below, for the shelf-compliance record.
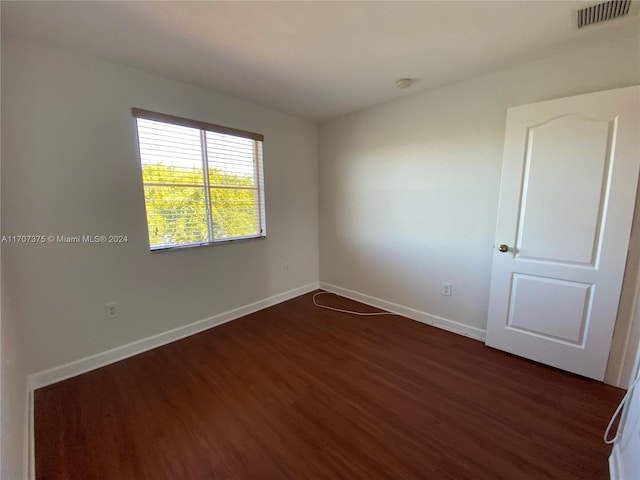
(569, 178)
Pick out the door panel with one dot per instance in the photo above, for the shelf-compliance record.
(564, 184)
(561, 317)
(569, 178)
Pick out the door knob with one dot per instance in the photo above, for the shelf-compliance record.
(503, 248)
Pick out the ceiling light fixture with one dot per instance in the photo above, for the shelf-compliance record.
(404, 83)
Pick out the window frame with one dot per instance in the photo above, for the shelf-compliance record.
(204, 127)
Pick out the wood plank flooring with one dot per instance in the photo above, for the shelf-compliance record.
(298, 392)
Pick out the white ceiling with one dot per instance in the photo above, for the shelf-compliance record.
(316, 60)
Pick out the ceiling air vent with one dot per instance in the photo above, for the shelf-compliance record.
(603, 12)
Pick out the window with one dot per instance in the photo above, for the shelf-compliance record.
(202, 183)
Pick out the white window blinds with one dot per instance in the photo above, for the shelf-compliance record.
(203, 183)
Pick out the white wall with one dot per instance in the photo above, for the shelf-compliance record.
(13, 393)
(409, 189)
(70, 167)
(624, 462)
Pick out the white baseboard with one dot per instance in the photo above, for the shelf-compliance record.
(429, 319)
(77, 367)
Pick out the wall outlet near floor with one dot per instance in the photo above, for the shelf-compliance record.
(286, 268)
(110, 310)
(447, 289)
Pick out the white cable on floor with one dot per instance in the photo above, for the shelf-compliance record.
(346, 311)
(617, 412)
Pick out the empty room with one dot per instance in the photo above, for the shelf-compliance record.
(320, 240)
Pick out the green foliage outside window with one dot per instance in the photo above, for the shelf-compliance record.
(177, 213)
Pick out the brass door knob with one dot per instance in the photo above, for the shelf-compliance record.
(503, 248)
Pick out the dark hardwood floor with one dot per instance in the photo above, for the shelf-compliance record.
(298, 392)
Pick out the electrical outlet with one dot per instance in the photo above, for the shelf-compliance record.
(286, 268)
(110, 310)
(447, 289)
